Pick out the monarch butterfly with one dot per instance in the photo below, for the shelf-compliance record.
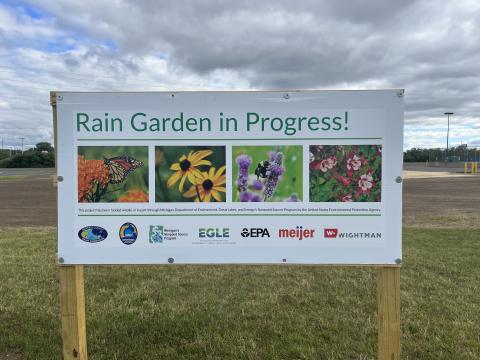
(119, 167)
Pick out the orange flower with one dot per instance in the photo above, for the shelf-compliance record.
(92, 178)
(134, 195)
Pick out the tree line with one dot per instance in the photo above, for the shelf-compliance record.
(455, 153)
(41, 156)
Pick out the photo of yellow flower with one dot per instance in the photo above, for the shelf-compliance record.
(190, 173)
(208, 185)
(186, 167)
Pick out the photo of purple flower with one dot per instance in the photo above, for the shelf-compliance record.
(267, 173)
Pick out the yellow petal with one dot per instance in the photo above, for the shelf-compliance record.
(191, 177)
(190, 192)
(173, 179)
(184, 177)
(199, 155)
(220, 171)
(201, 162)
(211, 173)
(216, 195)
(220, 188)
(183, 157)
(207, 197)
(220, 180)
(175, 167)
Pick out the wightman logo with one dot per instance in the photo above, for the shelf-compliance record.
(330, 233)
(333, 234)
(298, 233)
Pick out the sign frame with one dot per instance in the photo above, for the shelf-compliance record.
(72, 293)
(376, 120)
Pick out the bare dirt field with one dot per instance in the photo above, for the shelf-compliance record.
(442, 201)
(28, 198)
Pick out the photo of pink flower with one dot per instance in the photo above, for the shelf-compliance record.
(345, 173)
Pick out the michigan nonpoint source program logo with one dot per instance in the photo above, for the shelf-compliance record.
(128, 233)
(155, 235)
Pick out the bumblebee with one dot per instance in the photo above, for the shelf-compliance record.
(262, 169)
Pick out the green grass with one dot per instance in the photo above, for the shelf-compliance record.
(245, 312)
(12, 178)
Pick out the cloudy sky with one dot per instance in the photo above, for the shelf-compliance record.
(430, 48)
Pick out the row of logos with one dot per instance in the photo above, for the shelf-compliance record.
(128, 233)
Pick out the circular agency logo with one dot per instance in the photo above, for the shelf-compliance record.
(128, 233)
(245, 232)
(92, 234)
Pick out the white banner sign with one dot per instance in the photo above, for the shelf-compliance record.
(303, 177)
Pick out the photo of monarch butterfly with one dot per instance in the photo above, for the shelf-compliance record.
(120, 166)
(112, 174)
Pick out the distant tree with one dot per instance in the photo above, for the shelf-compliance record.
(42, 155)
(44, 146)
(416, 155)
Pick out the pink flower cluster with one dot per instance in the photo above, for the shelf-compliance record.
(325, 164)
(347, 173)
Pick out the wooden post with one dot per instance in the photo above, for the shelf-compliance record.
(72, 292)
(389, 313)
(72, 310)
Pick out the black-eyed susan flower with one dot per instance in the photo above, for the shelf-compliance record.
(186, 167)
(208, 185)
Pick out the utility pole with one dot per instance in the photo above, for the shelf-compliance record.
(448, 130)
(24, 139)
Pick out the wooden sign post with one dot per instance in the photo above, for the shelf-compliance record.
(74, 336)
(72, 311)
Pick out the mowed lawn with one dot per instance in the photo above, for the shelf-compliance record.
(245, 312)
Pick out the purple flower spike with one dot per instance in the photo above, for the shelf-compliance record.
(257, 185)
(293, 198)
(276, 169)
(271, 156)
(243, 162)
(246, 196)
(256, 198)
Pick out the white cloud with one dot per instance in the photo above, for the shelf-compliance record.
(431, 49)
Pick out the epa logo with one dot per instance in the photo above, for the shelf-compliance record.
(255, 232)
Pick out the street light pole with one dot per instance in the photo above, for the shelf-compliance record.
(448, 129)
(24, 139)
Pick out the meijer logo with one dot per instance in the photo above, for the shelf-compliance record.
(330, 233)
(299, 232)
(214, 233)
